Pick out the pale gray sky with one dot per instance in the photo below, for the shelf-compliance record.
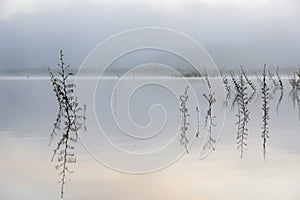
(234, 32)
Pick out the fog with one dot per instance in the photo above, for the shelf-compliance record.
(31, 35)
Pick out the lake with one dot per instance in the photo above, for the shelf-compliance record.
(131, 148)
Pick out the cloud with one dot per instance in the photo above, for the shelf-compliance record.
(233, 36)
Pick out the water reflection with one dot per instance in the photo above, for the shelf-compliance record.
(294, 93)
(269, 86)
(25, 164)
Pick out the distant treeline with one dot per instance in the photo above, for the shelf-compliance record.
(118, 72)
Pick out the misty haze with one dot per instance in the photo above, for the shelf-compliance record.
(149, 99)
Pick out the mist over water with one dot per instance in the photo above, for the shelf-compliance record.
(173, 99)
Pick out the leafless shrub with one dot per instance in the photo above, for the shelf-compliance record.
(242, 114)
(184, 116)
(70, 120)
(266, 109)
(280, 88)
(236, 86)
(209, 118)
(247, 79)
(198, 121)
(227, 89)
(295, 84)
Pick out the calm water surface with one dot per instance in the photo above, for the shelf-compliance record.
(28, 110)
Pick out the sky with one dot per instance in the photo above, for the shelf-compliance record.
(234, 32)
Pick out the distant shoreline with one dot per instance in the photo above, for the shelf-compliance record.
(41, 73)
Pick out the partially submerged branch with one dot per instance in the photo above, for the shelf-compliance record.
(70, 120)
(280, 88)
(184, 116)
(242, 114)
(295, 84)
(266, 109)
(209, 118)
(227, 89)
